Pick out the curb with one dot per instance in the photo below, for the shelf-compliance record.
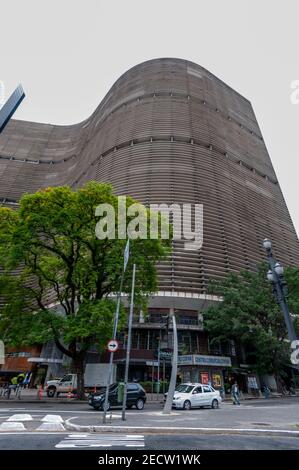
(67, 401)
(177, 430)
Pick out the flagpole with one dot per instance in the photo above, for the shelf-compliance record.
(129, 345)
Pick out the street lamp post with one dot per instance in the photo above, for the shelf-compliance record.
(275, 276)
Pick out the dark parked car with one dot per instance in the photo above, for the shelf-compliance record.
(136, 396)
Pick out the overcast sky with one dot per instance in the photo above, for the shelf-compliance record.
(68, 53)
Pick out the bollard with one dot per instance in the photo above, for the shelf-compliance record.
(40, 392)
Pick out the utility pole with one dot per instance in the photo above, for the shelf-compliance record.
(123, 416)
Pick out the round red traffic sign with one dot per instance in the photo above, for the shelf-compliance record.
(112, 345)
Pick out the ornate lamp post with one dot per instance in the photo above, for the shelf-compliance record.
(279, 285)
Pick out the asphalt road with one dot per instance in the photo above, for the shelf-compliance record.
(53, 441)
(41, 426)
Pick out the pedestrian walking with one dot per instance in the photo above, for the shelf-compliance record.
(266, 391)
(235, 393)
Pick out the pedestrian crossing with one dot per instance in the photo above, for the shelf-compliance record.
(101, 440)
(28, 422)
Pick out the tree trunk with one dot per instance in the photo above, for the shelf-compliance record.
(278, 380)
(78, 368)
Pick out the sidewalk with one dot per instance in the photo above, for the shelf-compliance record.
(33, 396)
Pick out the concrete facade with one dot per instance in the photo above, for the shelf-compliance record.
(168, 131)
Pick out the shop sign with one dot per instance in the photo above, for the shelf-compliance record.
(201, 360)
(152, 363)
(165, 355)
(185, 360)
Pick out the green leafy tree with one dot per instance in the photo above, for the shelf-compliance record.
(249, 315)
(292, 279)
(49, 255)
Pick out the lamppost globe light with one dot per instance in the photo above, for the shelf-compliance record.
(278, 269)
(267, 244)
(270, 276)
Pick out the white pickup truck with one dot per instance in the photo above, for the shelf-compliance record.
(95, 376)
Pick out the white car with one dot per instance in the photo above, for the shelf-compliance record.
(195, 395)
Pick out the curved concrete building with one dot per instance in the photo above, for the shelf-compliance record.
(168, 131)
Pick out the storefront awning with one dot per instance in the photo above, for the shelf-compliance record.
(5, 373)
(44, 360)
(236, 370)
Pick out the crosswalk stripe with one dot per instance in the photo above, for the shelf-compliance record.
(101, 440)
(109, 437)
(47, 422)
(11, 426)
(51, 427)
(53, 419)
(20, 417)
(134, 445)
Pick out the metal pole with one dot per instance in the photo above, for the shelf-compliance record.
(152, 380)
(280, 295)
(123, 416)
(115, 323)
(158, 371)
(174, 369)
(281, 298)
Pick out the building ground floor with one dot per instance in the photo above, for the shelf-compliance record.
(199, 359)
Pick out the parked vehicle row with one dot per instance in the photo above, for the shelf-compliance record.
(186, 396)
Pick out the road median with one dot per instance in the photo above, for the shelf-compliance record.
(71, 426)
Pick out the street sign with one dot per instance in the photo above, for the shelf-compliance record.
(126, 254)
(112, 345)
